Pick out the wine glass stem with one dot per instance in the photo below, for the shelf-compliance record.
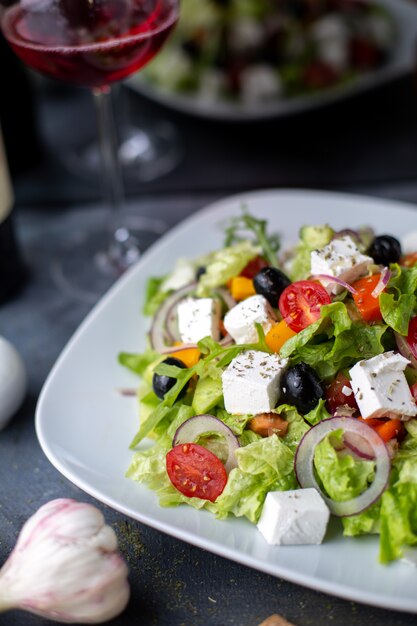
(112, 181)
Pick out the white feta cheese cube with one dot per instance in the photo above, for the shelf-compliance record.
(260, 83)
(251, 383)
(341, 259)
(294, 517)
(198, 318)
(331, 38)
(212, 84)
(245, 34)
(241, 319)
(380, 387)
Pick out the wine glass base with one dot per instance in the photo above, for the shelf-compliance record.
(144, 153)
(92, 260)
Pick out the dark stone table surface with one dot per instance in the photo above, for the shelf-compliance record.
(368, 145)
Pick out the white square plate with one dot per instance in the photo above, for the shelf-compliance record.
(85, 426)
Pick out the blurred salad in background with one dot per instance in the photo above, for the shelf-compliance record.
(254, 51)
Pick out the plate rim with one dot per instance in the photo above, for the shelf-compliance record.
(306, 580)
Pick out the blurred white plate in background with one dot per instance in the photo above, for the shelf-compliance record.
(402, 60)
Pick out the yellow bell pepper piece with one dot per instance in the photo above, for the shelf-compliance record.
(242, 288)
(189, 356)
(278, 335)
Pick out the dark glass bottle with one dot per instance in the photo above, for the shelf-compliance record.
(12, 269)
(17, 112)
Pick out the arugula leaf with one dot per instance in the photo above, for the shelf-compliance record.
(270, 244)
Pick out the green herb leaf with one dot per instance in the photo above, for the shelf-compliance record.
(270, 244)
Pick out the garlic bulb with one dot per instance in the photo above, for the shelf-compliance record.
(65, 566)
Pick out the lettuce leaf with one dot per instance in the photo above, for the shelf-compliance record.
(317, 414)
(343, 477)
(394, 515)
(154, 295)
(297, 427)
(398, 303)
(265, 465)
(334, 342)
(149, 467)
(364, 523)
(398, 518)
(225, 264)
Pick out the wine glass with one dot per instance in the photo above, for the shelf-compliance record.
(94, 43)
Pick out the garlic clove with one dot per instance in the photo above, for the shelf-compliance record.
(65, 566)
(13, 381)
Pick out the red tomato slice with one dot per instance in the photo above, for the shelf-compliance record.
(300, 303)
(254, 267)
(366, 303)
(335, 397)
(413, 390)
(195, 471)
(412, 336)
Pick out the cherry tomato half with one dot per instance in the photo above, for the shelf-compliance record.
(336, 396)
(412, 336)
(300, 303)
(254, 267)
(195, 471)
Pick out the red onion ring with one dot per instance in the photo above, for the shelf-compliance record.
(405, 350)
(304, 463)
(382, 283)
(158, 334)
(163, 329)
(333, 279)
(205, 423)
(359, 446)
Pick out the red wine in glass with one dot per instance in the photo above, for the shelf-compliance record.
(94, 43)
(70, 41)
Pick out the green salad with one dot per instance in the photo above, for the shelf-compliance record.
(255, 51)
(280, 382)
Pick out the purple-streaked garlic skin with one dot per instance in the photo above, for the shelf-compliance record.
(66, 566)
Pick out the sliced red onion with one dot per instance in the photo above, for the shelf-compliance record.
(304, 463)
(405, 350)
(226, 296)
(333, 279)
(172, 322)
(158, 335)
(205, 423)
(164, 325)
(128, 393)
(382, 283)
(359, 236)
(359, 446)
